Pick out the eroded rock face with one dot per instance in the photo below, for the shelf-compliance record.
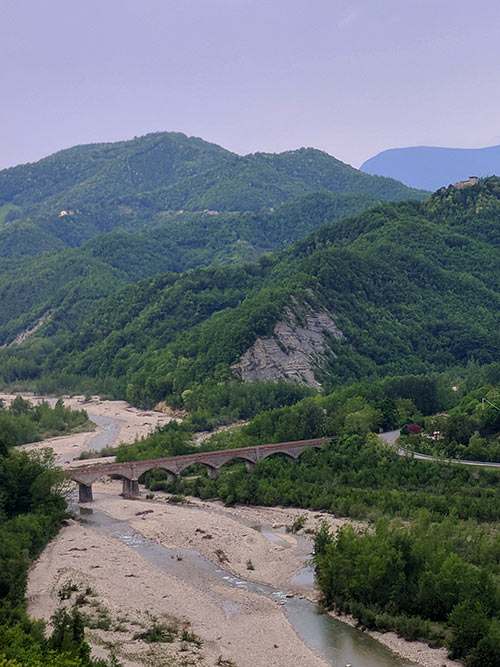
(21, 337)
(292, 351)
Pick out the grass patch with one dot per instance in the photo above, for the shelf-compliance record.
(225, 663)
(158, 633)
(191, 638)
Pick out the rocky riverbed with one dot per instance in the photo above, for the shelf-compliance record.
(130, 594)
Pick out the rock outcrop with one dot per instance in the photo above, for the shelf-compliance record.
(297, 345)
(21, 337)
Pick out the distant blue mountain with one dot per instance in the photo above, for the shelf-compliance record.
(430, 167)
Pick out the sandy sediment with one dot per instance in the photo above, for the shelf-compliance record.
(230, 537)
(135, 591)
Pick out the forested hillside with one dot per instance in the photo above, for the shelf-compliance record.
(63, 285)
(85, 191)
(77, 225)
(402, 288)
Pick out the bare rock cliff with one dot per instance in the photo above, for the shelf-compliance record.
(293, 350)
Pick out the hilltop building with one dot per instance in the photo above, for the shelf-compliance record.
(472, 180)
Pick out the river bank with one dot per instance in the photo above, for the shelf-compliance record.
(234, 622)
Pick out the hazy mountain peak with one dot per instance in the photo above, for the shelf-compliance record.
(431, 167)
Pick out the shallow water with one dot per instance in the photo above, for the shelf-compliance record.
(305, 578)
(109, 434)
(337, 643)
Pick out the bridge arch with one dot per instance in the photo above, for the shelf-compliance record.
(158, 473)
(212, 470)
(241, 457)
(289, 455)
(293, 454)
(157, 466)
(249, 461)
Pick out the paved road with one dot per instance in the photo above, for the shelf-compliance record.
(390, 437)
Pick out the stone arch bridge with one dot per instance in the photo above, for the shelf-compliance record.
(174, 465)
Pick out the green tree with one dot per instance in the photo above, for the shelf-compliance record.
(487, 651)
(68, 635)
(469, 624)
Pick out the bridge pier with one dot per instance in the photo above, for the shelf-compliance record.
(85, 493)
(213, 473)
(130, 487)
(172, 477)
(250, 465)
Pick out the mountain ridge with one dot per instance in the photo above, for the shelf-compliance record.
(432, 167)
(80, 192)
(87, 220)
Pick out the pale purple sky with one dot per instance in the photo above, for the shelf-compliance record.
(351, 77)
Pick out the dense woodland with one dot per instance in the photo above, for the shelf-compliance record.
(287, 414)
(77, 225)
(122, 185)
(65, 284)
(32, 508)
(413, 287)
(437, 580)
